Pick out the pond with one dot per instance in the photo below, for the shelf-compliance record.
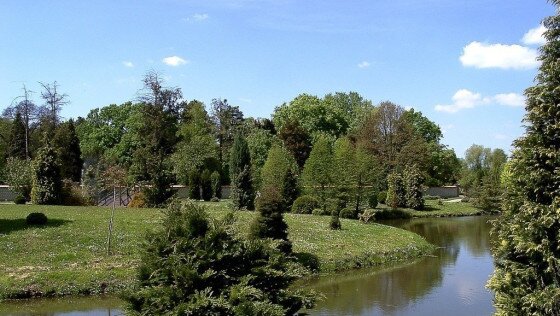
(451, 282)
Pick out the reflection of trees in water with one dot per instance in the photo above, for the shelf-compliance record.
(391, 290)
(95, 305)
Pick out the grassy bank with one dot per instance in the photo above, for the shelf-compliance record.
(434, 209)
(67, 257)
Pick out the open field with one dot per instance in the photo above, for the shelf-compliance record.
(68, 255)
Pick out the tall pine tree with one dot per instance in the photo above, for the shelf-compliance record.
(67, 147)
(16, 142)
(526, 280)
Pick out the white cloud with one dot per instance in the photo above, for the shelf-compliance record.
(174, 61)
(535, 36)
(128, 64)
(364, 64)
(465, 99)
(200, 16)
(481, 55)
(509, 99)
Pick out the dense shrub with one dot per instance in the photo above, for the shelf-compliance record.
(466, 199)
(334, 204)
(392, 214)
(216, 185)
(19, 199)
(305, 204)
(412, 181)
(335, 221)
(47, 182)
(72, 195)
(138, 200)
(382, 197)
(196, 266)
(194, 185)
(349, 212)
(373, 200)
(206, 185)
(36, 219)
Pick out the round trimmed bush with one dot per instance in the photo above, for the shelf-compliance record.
(19, 199)
(382, 197)
(305, 204)
(38, 219)
(319, 212)
(349, 212)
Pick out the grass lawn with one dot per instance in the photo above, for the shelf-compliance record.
(447, 209)
(68, 257)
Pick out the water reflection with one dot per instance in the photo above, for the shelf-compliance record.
(450, 282)
(67, 306)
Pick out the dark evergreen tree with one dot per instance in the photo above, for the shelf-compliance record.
(16, 142)
(216, 185)
(196, 266)
(47, 181)
(194, 185)
(68, 150)
(270, 223)
(297, 141)
(335, 220)
(206, 185)
(242, 192)
(526, 279)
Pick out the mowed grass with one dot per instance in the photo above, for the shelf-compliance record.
(447, 209)
(68, 256)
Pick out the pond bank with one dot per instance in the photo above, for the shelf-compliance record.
(67, 257)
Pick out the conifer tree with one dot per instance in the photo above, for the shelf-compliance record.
(270, 223)
(68, 151)
(216, 185)
(395, 191)
(242, 192)
(280, 171)
(526, 280)
(194, 185)
(16, 142)
(318, 170)
(47, 182)
(206, 185)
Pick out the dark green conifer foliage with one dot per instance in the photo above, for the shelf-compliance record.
(526, 280)
(335, 221)
(216, 185)
(16, 141)
(198, 266)
(194, 185)
(68, 150)
(242, 191)
(270, 223)
(206, 185)
(47, 182)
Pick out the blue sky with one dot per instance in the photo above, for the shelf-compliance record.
(464, 64)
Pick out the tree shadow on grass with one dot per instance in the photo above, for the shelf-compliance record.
(11, 225)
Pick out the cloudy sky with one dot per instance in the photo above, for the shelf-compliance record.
(463, 63)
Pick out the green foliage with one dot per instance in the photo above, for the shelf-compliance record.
(427, 129)
(296, 140)
(373, 200)
(194, 185)
(18, 174)
(318, 170)
(382, 197)
(280, 172)
(67, 146)
(270, 223)
(305, 204)
(334, 224)
(16, 140)
(525, 280)
(72, 195)
(138, 201)
(412, 181)
(206, 185)
(242, 191)
(395, 191)
(349, 212)
(47, 181)
(196, 266)
(227, 121)
(38, 219)
(259, 141)
(216, 185)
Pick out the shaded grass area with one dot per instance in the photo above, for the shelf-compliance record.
(67, 257)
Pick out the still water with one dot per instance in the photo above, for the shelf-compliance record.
(450, 282)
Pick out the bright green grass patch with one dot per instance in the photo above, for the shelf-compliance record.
(68, 256)
(447, 209)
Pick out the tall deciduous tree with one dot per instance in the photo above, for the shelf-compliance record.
(296, 140)
(526, 280)
(227, 120)
(243, 195)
